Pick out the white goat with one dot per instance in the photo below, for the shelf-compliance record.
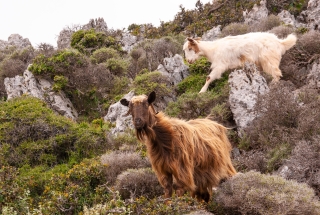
(262, 48)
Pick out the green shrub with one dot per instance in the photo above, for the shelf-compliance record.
(103, 54)
(59, 82)
(35, 135)
(152, 81)
(117, 67)
(200, 66)
(255, 193)
(87, 41)
(192, 105)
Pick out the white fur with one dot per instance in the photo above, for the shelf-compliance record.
(262, 48)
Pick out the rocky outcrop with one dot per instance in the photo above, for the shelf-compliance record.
(312, 15)
(245, 86)
(256, 14)
(128, 41)
(288, 19)
(42, 89)
(15, 40)
(174, 68)
(212, 34)
(117, 114)
(64, 38)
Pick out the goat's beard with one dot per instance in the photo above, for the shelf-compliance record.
(145, 131)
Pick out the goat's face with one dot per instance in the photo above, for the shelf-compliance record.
(139, 109)
(191, 50)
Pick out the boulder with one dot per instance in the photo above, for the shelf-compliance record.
(256, 14)
(42, 89)
(212, 34)
(174, 68)
(245, 86)
(312, 15)
(117, 114)
(288, 19)
(15, 40)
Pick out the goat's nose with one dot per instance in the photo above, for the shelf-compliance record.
(137, 120)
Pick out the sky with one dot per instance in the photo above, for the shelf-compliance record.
(42, 20)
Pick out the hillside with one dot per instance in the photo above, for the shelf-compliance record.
(66, 146)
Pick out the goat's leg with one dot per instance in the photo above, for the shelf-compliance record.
(167, 181)
(180, 189)
(215, 73)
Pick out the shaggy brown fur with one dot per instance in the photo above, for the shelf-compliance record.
(196, 152)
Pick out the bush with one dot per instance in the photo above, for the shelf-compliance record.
(134, 183)
(103, 54)
(255, 193)
(303, 165)
(117, 162)
(295, 61)
(267, 24)
(35, 135)
(142, 205)
(152, 81)
(192, 105)
(87, 41)
(282, 31)
(278, 118)
(117, 67)
(234, 29)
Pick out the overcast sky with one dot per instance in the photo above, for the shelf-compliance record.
(42, 20)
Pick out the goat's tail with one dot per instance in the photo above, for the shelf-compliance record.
(289, 41)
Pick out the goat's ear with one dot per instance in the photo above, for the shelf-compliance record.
(151, 97)
(190, 40)
(124, 102)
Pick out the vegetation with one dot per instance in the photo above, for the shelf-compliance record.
(52, 165)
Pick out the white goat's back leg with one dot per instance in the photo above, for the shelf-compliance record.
(270, 65)
(214, 74)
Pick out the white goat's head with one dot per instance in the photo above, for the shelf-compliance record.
(191, 49)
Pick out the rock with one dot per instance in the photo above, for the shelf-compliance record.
(129, 41)
(312, 14)
(313, 78)
(64, 38)
(245, 86)
(98, 24)
(42, 89)
(15, 40)
(212, 34)
(174, 68)
(288, 19)
(256, 14)
(116, 114)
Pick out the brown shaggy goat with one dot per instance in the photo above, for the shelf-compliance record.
(195, 153)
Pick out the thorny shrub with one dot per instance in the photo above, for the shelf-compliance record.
(116, 162)
(255, 193)
(295, 61)
(134, 183)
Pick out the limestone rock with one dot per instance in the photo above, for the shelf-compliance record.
(174, 68)
(312, 14)
(245, 86)
(288, 19)
(15, 40)
(212, 34)
(256, 14)
(42, 89)
(129, 41)
(116, 114)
